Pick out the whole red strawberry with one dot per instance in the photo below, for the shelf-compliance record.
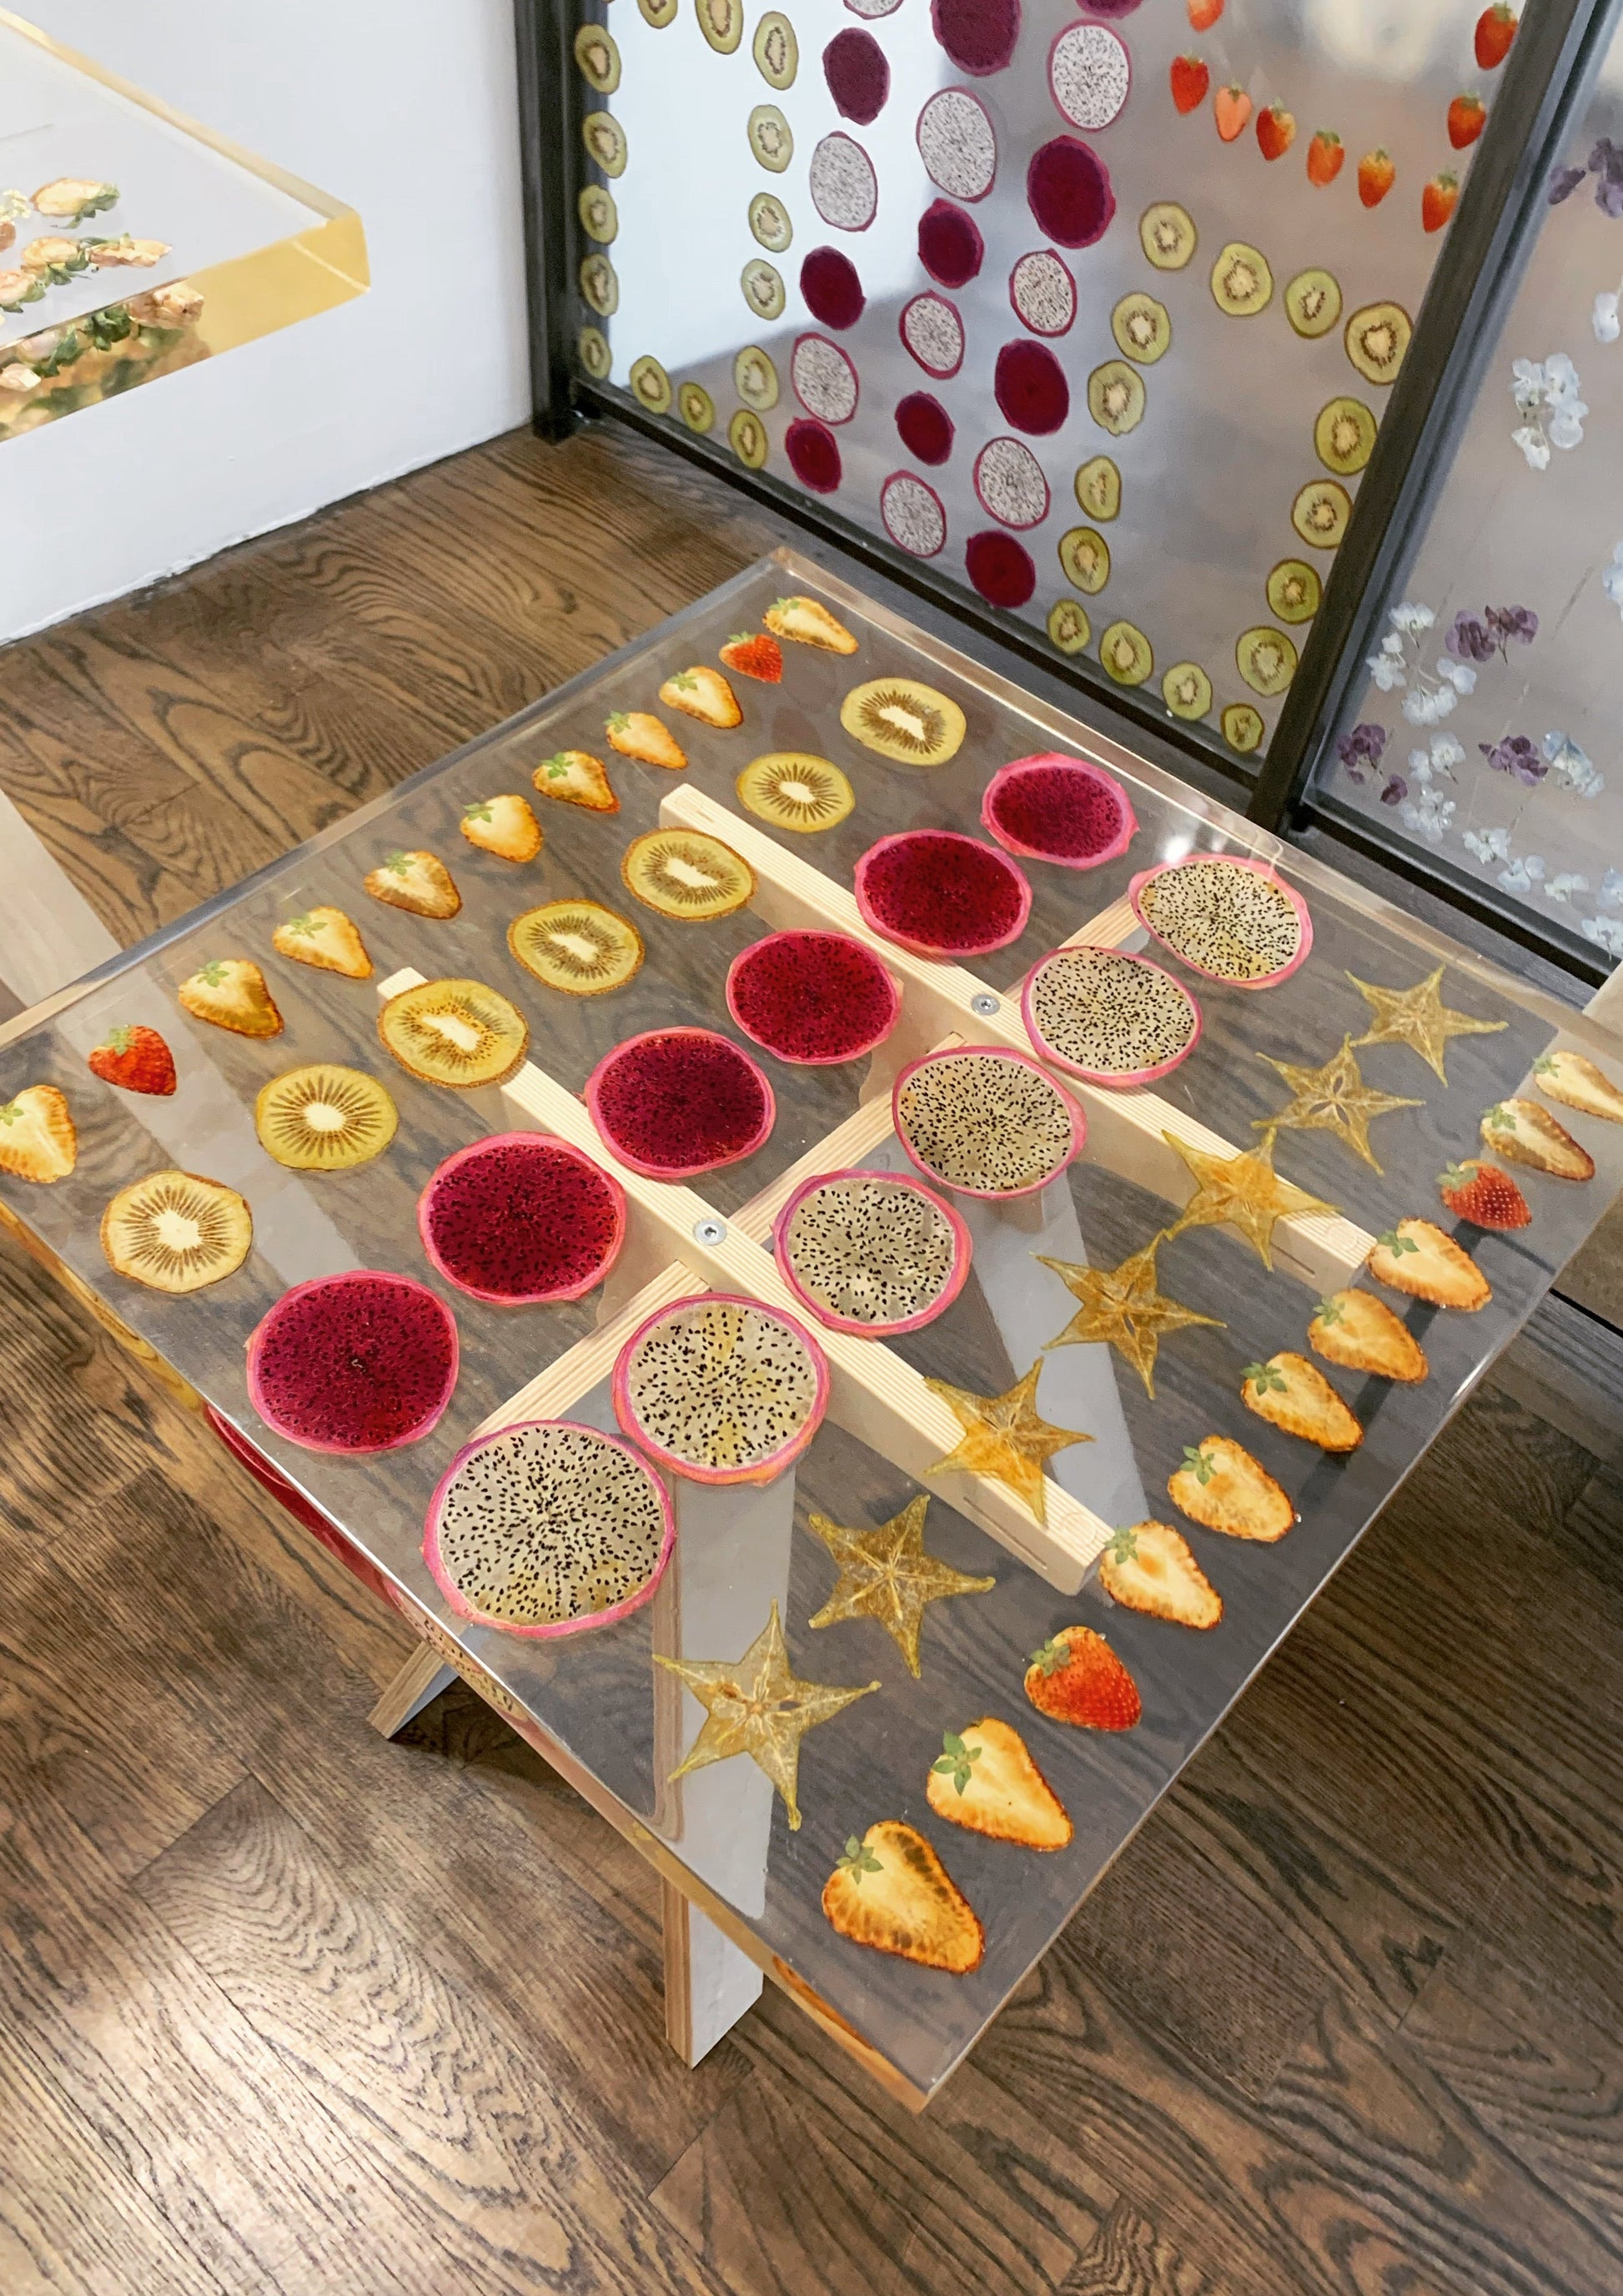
(1495, 29)
(1325, 155)
(1275, 131)
(135, 1059)
(1484, 1195)
(1467, 117)
(1375, 176)
(754, 653)
(1077, 1677)
(1190, 79)
(1439, 201)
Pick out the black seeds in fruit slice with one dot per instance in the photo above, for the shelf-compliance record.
(1266, 659)
(1167, 235)
(678, 1102)
(1030, 388)
(1068, 190)
(1069, 626)
(812, 998)
(1187, 690)
(364, 1361)
(924, 427)
(957, 145)
(842, 184)
(1313, 305)
(1125, 654)
(722, 22)
(521, 1218)
(769, 223)
(1294, 591)
(950, 246)
(1344, 436)
(792, 790)
(814, 454)
(901, 718)
(1320, 513)
(914, 516)
(1000, 569)
(771, 139)
(858, 74)
(775, 50)
(1116, 397)
(598, 58)
(1376, 339)
(1243, 727)
(1141, 328)
(831, 288)
(579, 947)
(1043, 293)
(979, 36)
(932, 331)
(1098, 488)
(1242, 284)
(1009, 483)
(824, 381)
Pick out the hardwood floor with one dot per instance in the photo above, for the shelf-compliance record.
(284, 2008)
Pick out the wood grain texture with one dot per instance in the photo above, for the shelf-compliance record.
(285, 2008)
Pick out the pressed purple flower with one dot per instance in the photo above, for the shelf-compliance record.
(1609, 194)
(1512, 624)
(1564, 182)
(1395, 791)
(1606, 158)
(1360, 749)
(1517, 755)
(1470, 639)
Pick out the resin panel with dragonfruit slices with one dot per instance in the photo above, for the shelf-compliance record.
(1310, 1059)
(1095, 313)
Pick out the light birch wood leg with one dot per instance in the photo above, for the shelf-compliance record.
(420, 1680)
(709, 1984)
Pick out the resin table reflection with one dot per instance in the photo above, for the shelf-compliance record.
(1115, 1329)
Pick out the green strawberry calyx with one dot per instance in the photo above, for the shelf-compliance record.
(398, 864)
(685, 681)
(1201, 1463)
(858, 1859)
(955, 1760)
(1124, 1546)
(479, 810)
(1055, 1653)
(117, 1040)
(1397, 1243)
(1264, 1377)
(212, 973)
(1457, 1176)
(304, 925)
(618, 722)
(1329, 1310)
(14, 1112)
(1545, 1064)
(1501, 1118)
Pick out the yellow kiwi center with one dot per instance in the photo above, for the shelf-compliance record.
(177, 1232)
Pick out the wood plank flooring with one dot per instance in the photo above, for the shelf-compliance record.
(285, 2009)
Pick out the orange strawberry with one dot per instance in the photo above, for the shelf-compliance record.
(1484, 1195)
(1495, 29)
(1275, 131)
(1190, 81)
(1077, 1677)
(1232, 107)
(1439, 201)
(1375, 176)
(135, 1059)
(1204, 14)
(1467, 117)
(753, 654)
(1325, 154)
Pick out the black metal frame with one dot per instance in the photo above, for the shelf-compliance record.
(1546, 81)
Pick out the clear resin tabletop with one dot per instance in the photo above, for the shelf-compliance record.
(622, 1724)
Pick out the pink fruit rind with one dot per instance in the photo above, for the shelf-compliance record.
(549, 1632)
(406, 1287)
(962, 1251)
(1258, 869)
(1121, 1080)
(1078, 1122)
(479, 1150)
(869, 867)
(749, 959)
(765, 1471)
(607, 1067)
(1008, 777)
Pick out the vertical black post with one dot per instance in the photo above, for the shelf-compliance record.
(1547, 77)
(546, 127)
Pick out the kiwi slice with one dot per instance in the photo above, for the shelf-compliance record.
(598, 58)
(599, 216)
(579, 946)
(1125, 654)
(1098, 485)
(1242, 284)
(756, 378)
(455, 1032)
(1069, 626)
(658, 12)
(605, 141)
(684, 872)
(1187, 690)
(1266, 658)
(175, 1232)
(1294, 591)
(1142, 328)
(763, 289)
(592, 347)
(909, 723)
(599, 286)
(696, 407)
(770, 137)
(1320, 513)
(769, 223)
(1242, 727)
(1167, 233)
(1344, 436)
(649, 385)
(775, 50)
(794, 790)
(1376, 339)
(722, 22)
(324, 1119)
(1313, 305)
(1085, 557)
(746, 436)
(1116, 397)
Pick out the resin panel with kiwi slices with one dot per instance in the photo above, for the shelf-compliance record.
(1048, 1353)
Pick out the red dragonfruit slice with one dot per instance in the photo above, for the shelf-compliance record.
(1114, 1018)
(812, 997)
(1057, 808)
(519, 1218)
(721, 1390)
(360, 1362)
(941, 894)
(678, 1102)
(547, 1529)
(985, 1121)
(871, 1251)
(1223, 914)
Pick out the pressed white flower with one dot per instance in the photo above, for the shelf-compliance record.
(1446, 752)
(1603, 319)
(1612, 888)
(1411, 618)
(1460, 675)
(1606, 932)
(1525, 874)
(1386, 672)
(1561, 377)
(1425, 708)
(1420, 766)
(1565, 427)
(1534, 446)
(1393, 645)
(1611, 578)
(1572, 769)
(1564, 884)
(1489, 844)
(1429, 818)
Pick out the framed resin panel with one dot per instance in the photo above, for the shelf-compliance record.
(1095, 314)
(137, 242)
(964, 1499)
(1484, 731)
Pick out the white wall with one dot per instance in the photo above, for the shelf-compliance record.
(406, 111)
